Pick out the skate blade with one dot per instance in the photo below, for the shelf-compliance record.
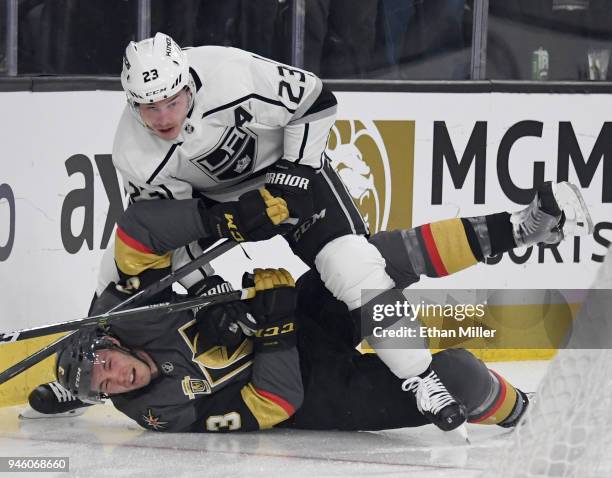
(458, 436)
(30, 414)
(578, 220)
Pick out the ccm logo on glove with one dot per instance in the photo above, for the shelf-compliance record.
(285, 179)
(233, 229)
(272, 331)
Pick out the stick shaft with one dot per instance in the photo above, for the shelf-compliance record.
(172, 277)
(33, 359)
(104, 319)
(109, 317)
(138, 298)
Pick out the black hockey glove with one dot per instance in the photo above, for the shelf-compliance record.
(222, 324)
(273, 308)
(293, 183)
(254, 217)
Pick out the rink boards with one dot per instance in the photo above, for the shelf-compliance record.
(407, 158)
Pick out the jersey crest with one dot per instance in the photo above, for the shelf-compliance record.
(233, 156)
(195, 386)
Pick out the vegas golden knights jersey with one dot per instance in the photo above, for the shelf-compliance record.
(213, 389)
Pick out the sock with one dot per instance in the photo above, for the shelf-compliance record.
(489, 235)
(503, 406)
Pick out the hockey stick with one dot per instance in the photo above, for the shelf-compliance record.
(106, 319)
(141, 296)
(102, 320)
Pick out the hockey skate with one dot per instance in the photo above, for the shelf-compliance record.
(435, 402)
(51, 400)
(557, 211)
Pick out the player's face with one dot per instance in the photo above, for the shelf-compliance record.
(166, 117)
(119, 372)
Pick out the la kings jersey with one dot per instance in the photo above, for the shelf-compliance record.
(248, 112)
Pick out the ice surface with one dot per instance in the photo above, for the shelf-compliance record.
(102, 442)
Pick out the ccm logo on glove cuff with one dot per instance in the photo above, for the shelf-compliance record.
(233, 229)
(272, 331)
(285, 179)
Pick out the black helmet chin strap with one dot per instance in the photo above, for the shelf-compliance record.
(135, 355)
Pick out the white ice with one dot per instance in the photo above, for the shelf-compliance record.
(102, 442)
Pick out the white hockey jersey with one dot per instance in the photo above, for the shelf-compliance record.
(248, 113)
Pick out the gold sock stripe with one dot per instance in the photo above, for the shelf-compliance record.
(503, 406)
(452, 244)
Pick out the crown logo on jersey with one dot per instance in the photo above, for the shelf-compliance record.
(167, 367)
(242, 164)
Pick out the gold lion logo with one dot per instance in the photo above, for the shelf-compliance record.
(359, 155)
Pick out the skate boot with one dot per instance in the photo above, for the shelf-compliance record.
(51, 400)
(556, 212)
(435, 402)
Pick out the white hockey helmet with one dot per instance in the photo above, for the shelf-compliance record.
(154, 69)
